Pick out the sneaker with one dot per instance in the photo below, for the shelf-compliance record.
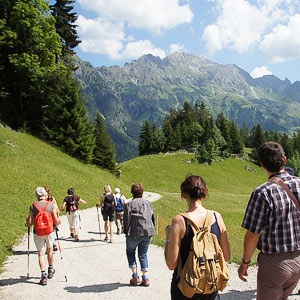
(55, 247)
(135, 281)
(106, 238)
(76, 239)
(145, 282)
(50, 273)
(72, 235)
(43, 280)
(118, 231)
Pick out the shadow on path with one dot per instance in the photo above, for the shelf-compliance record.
(234, 294)
(97, 288)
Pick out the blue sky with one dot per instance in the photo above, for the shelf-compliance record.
(260, 36)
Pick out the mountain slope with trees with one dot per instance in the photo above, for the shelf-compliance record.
(150, 87)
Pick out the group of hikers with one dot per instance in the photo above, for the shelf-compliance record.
(134, 218)
(271, 221)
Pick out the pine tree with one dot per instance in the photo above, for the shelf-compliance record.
(146, 139)
(66, 120)
(104, 151)
(65, 25)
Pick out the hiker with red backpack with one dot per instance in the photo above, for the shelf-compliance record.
(71, 204)
(43, 215)
(107, 205)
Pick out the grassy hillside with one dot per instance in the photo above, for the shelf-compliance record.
(229, 185)
(25, 163)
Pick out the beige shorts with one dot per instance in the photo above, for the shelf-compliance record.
(41, 240)
(73, 219)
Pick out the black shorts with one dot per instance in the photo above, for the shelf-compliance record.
(108, 215)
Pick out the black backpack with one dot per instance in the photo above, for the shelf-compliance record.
(109, 203)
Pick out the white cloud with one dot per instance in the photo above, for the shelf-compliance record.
(177, 48)
(260, 72)
(238, 26)
(283, 42)
(242, 25)
(100, 36)
(155, 16)
(138, 48)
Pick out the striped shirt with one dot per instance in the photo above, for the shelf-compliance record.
(274, 216)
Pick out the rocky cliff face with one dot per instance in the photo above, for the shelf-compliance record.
(149, 87)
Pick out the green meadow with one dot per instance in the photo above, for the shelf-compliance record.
(26, 162)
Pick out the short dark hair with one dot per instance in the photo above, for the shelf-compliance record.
(137, 190)
(70, 191)
(195, 187)
(271, 155)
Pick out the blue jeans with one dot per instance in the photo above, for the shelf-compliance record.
(142, 243)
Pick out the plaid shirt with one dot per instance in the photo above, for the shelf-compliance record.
(138, 218)
(273, 215)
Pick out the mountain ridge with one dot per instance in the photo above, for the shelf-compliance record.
(149, 87)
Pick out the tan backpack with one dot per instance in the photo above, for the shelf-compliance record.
(205, 270)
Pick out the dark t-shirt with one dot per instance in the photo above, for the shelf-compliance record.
(72, 203)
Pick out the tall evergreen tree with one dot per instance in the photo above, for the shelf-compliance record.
(65, 26)
(66, 120)
(146, 138)
(104, 151)
(224, 126)
(236, 140)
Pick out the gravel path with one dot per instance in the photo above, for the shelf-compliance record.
(98, 270)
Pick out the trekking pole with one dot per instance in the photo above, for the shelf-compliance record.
(28, 244)
(98, 221)
(56, 229)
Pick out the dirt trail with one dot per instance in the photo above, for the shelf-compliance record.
(98, 270)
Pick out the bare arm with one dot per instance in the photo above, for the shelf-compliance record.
(250, 244)
(82, 201)
(224, 242)
(56, 220)
(174, 234)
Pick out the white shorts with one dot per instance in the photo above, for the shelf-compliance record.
(73, 219)
(41, 240)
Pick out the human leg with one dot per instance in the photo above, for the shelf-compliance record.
(131, 245)
(112, 219)
(39, 243)
(143, 258)
(50, 256)
(70, 217)
(277, 275)
(76, 225)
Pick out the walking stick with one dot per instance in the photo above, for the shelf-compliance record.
(28, 244)
(56, 229)
(98, 221)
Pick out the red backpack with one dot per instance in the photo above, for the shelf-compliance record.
(43, 222)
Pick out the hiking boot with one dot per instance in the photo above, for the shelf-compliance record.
(43, 280)
(135, 281)
(50, 273)
(55, 247)
(118, 231)
(76, 239)
(72, 235)
(145, 282)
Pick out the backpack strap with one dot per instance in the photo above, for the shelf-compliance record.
(288, 191)
(38, 208)
(207, 223)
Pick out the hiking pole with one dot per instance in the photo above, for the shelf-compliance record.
(28, 244)
(98, 221)
(56, 230)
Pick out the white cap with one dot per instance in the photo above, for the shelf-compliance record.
(117, 190)
(40, 192)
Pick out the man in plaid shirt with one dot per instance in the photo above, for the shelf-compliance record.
(272, 221)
